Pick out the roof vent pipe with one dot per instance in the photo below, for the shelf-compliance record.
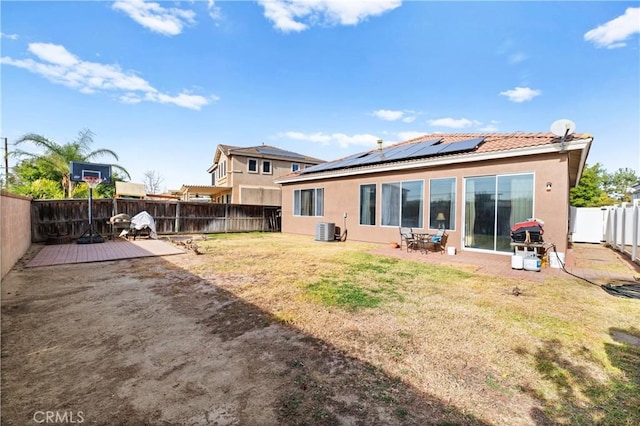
(380, 144)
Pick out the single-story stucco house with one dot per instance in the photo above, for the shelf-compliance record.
(476, 186)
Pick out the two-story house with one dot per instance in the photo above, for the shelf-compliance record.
(245, 175)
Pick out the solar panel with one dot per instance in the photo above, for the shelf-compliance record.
(271, 151)
(332, 165)
(409, 150)
(316, 168)
(399, 153)
(426, 151)
(462, 146)
(396, 152)
(370, 158)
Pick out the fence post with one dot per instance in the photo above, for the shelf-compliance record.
(176, 225)
(634, 237)
(614, 228)
(226, 217)
(623, 225)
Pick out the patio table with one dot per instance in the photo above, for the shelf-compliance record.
(421, 240)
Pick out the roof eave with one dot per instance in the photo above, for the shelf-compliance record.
(583, 159)
(304, 160)
(441, 161)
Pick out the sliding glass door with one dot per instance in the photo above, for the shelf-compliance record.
(493, 204)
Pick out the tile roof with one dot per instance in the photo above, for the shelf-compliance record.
(269, 151)
(493, 143)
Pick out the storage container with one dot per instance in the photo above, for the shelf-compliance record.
(556, 259)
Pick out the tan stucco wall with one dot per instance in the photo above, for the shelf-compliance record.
(226, 179)
(245, 184)
(260, 195)
(342, 195)
(15, 229)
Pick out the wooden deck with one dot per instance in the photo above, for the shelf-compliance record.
(100, 252)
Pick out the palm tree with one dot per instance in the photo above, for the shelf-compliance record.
(60, 156)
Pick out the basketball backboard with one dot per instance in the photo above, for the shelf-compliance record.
(81, 170)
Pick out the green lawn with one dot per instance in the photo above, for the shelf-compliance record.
(547, 355)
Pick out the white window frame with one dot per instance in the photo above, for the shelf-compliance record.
(464, 203)
(375, 218)
(222, 169)
(452, 220)
(295, 167)
(270, 163)
(249, 160)
(400, 208)
(318, 194)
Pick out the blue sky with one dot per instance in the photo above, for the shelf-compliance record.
(163, 83)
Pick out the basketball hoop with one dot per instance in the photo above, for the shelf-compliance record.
(92, 181)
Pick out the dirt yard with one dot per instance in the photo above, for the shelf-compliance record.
(144, 341)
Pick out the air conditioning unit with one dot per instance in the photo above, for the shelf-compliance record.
(325, 231)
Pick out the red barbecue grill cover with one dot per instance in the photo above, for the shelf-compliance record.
(532, 224)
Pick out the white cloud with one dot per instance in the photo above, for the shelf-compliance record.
(517, 57)
(59, 66)
(452, 123)
(392, 115)
(521, 94)
(287, 15)
(214, 11)
(492, 127)
(613, 34)
(9, 36)
(388, 115)
(339, 139)
(166, 21)
(130, 98)
(53, 53)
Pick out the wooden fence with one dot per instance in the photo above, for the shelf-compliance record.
(53, 218)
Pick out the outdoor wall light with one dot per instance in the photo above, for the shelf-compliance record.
(548, 186)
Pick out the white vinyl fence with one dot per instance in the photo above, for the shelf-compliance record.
(616, 226)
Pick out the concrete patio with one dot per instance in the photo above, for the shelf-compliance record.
(593, 262)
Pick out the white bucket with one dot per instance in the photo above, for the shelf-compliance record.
(556, 259)
(451, 251)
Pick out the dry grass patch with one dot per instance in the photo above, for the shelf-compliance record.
(545, 355)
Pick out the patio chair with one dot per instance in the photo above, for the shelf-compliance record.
(406, 237)
(437, 242)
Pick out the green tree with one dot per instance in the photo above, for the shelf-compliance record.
(32, 169)
(56, 157)
(621, 182)
(108, 190)
(589, 192)
(41, 188)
